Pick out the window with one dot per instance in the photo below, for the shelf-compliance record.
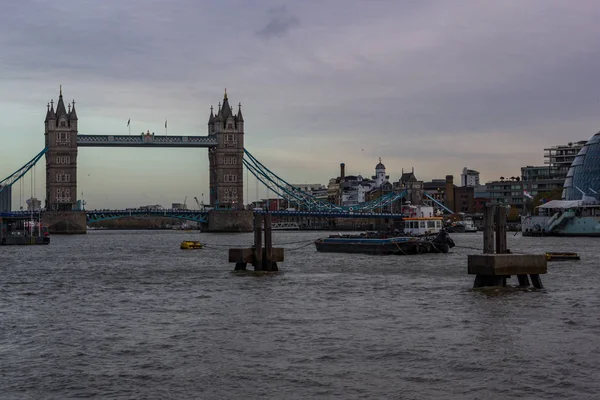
(229, 160)
(63, 195)
(229, 195)
(63, 177)
(230, 178)
(63, 124)
(229, 140)
(63, 138)
(63, 159)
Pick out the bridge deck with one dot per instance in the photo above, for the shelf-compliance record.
(145, 141)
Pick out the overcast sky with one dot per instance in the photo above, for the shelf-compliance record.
(434, 85)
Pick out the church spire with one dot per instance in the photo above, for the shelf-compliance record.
(211, 119)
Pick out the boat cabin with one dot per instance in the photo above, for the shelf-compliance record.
(421, 220)
(422, 226)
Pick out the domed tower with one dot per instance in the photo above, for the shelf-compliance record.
(225, 160)
(61, 158)
(380, 175)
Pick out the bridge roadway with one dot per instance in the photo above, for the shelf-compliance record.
(202, 216)
(331, 214)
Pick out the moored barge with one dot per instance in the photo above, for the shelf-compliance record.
(378, 244)
(22, 229)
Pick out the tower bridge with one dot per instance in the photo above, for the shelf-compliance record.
(227, 157)
(224, 141)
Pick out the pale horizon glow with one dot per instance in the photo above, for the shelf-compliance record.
(437, 86)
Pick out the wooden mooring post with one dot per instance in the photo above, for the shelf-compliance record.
(493, 269)
(262, 258)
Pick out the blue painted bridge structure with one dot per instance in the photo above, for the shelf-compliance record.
(332, 214)
(146, 140)
(202, 216)
(227, 158)
(105, 215)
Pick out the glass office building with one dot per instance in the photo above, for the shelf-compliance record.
(583, 176)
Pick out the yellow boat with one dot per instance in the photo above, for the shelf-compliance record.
(562, 256)
(190, 244)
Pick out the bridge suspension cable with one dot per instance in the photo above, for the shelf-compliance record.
(439, 204)
(18, 174)
(282, 188)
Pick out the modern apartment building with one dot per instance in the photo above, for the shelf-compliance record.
(469, 177)
(551, 176)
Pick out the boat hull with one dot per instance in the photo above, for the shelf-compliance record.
(24, 240)
(562, 256)
(575, 227)
(190, 245)
(381, 249)
(388, 246)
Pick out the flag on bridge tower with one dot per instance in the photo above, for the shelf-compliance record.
(128, 121)
(165, 126)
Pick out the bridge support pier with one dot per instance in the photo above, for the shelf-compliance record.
(229, 221)
(65, 222)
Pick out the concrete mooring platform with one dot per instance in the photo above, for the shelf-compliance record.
(493, 269)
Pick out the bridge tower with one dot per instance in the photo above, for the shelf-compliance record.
(61, 157)
(225, 160)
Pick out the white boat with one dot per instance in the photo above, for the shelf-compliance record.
(421, 221)
(468, 224)
(564, 218)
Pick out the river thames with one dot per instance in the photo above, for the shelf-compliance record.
(128, 315)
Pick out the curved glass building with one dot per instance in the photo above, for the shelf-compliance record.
(584, 173)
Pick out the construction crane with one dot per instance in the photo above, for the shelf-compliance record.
(197, 202)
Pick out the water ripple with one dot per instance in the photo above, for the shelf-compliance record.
(127, 315)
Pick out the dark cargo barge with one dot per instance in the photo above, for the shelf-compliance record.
(379, 244)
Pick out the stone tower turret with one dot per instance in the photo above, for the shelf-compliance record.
(225, 160)
(61, 157)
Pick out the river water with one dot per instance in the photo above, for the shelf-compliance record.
(128, 315)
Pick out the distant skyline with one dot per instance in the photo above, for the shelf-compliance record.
(433, 85)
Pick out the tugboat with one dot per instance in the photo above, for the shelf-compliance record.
(22, 229)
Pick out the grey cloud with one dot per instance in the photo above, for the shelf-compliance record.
(279, 24)
(401, 82)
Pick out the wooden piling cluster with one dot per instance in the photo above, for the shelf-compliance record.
(493, 269)
(262, 258)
